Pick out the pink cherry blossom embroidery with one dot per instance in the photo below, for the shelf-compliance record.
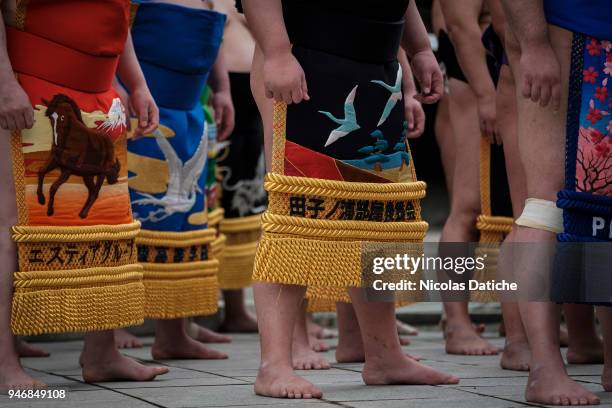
(601, 93)
(594, 48)
(602, 149)
(595, 135)
(590, 75)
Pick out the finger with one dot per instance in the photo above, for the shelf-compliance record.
(526, 91)
(3, 122)
(536, 91)
(28, 116)
(286, 96)
(10, 122)
(410, 118)
(296, 95)
(153, 119)
(305, 89)
(278, 96)
(419, 124)
(545, 95)
(426, 84)
(269, 94)
(143, 117)
(437, 87)
(19, 120)
(556, 96)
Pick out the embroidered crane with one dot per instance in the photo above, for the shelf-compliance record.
(396, 95)
(348, 124)
(183, 179)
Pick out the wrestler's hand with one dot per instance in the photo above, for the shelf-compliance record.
(144, 108)
(16, 111)
(284, 79)
(487, 112)
(427, 72)
(415, 117)
(541, 75)
(224, 113)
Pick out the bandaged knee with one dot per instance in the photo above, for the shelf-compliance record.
(543, 215)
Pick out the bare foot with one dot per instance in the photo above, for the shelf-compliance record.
(554, 387)
(405, 329)
(465, 340)
(480, 327)
(404, 341)
(563, 336)
(244, 324)
(345, 354)
(403, 371)
(606, 378)
(516, 356)
(319, 331)
(317, 345)
(182, 347)
(14, 377)
(305, 358)
(277, 382)
(126, 340)
(27, 350)
(205, 335)
(117, 367)
(586, 353)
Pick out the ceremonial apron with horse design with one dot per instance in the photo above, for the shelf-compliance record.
(77, 258)
(176, 47)
(342, 186)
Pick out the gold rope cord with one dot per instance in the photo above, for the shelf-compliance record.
(19, 177)
(215, 217)
(176, 239)
(279, 123)
(20, 14)
(233, 225)
(493, 230)
(22, 233)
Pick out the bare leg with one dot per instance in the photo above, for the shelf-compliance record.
(12, 375)
(446, 141)
(206, 335)
(27, 350)
(237, 318)
(102, 361)
(278, 307)
(585, 346)
(461, 337)
(605, 319)
(304, 357)
(548, 381)
(516, 354)
(350, 344)
(173, 342)
(126, 340)
(385, 362)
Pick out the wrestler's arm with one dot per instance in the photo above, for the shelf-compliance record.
(222, 98)
(539, 66)
(462, 19)
(498, 17)
(422, 60)
(16, 111)
(413, 110)
(284, 78)
(141, 102)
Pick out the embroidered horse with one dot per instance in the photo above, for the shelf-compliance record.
(76, 150)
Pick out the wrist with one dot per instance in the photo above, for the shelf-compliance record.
(278, 51)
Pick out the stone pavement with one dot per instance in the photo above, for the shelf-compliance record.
(230, 383)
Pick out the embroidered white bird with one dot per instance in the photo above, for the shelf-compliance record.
(115, 116)
(396, 95)
(183, 179)
(348, 124)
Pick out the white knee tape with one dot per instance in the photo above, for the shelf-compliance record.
(541, 214)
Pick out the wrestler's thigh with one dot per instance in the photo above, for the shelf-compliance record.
(445, 140)
(507, 129)
(265, 105)
(8, 205)
(466, 131)
(542, 129)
